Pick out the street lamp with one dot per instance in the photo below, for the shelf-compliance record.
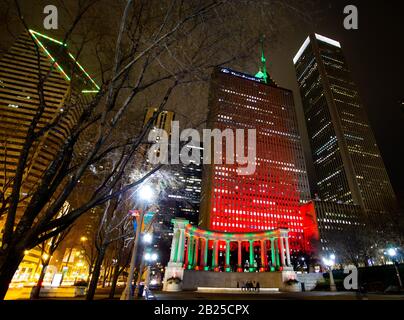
(150, 257)
(146, 195)
(393, 253)
(330, 262)
(147, 238)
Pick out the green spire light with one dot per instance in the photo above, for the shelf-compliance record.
(262, 73)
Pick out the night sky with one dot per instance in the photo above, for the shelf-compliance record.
(375, 55)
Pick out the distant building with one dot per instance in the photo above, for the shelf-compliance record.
(347, 161)
(331, 226)
(181, 190)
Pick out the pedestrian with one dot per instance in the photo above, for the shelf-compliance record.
(253, 286)
(238, 285)
(258, 287)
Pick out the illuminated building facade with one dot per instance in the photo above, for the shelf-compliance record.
(19, 101)
(332, 225)
(31, 55)
(268, 199)
(181, 193)
(348, 166)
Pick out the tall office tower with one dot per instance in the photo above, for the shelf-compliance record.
(270, 197)
(20, 101)
(347, 161)
(35, 54)
(181, 192)
(162, 121)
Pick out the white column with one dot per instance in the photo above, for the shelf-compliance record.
(287, 252)
(273, 257)
(174, 245)
(181, 246)
(282, 252)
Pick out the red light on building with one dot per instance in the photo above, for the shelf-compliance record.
(311, 232)
(270, 198)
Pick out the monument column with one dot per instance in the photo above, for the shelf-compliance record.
(239, 257)
(278, 264)
(174, 246)
(287, 251)
(227, 267)
(282, 249)
(181, 249)
(186, 262)
(251, 255)
(273, 259)
(263, 255)
(190, 251)
(215, 254)
(196, 253)
(205, 253)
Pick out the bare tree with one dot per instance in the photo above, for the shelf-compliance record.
(47, 251)
(159, 47)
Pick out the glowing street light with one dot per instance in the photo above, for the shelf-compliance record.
(392, 252)
(151, 256)
(147, 238)
(146, 193)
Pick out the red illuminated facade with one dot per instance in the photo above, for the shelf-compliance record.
(270, 198)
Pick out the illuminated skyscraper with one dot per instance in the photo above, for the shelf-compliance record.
(20, 101)
(269, 198)
(181, 187)
(35, 54)
(348, 166)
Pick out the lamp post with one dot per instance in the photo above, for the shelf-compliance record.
(393, 253)
(330, 262)
(145, 195)
(149, 257)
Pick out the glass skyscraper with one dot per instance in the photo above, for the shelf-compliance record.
(348, 166)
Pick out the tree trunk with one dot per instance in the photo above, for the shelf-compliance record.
(37, 289)
(96, 273)
(104, 279)
(114, 281)
(9, 262)
(90, 271)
